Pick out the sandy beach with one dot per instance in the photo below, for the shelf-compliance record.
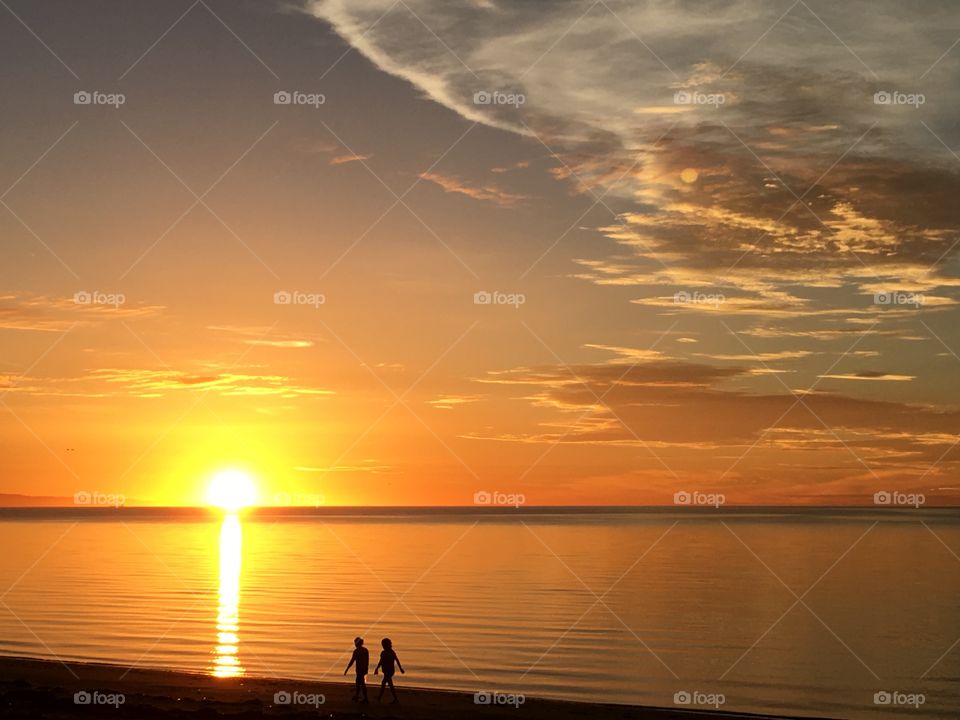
(48, 689)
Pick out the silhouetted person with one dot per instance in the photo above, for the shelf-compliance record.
(361, 659)
(387, 659)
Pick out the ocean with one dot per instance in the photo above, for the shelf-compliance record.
(828, 612)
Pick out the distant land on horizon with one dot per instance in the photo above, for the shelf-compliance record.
(13, 505)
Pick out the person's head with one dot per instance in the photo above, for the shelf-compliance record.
(386, 643)
(358, 641)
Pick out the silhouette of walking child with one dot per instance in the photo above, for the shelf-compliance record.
(387, 658)
(361, 659)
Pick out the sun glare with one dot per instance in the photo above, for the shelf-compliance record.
(232, 490)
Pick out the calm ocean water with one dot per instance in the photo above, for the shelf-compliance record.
(796, 613)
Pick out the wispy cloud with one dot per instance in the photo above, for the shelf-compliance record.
(519, 165)
(154, 383)
(339, 155)
(487, 192)
(797, 193)
(705, 412)
(869, 375)
(367, 466)
(57, 314)
(263, 336)
(449, 402)
(348, 158)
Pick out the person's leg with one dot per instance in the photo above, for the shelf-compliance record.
(362, 684)
(393, 690)
(383, 684)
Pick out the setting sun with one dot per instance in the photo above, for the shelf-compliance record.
(232, 490)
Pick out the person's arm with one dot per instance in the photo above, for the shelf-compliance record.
(397, 658)
(350, 664)
(377, 669)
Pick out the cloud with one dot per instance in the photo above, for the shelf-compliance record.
(58, 314)
(791, 194)
(826, 334)
(626, 354)
(757, 357)
(487, 193)
(797, 191)
(263, 336)
(449, 402)
(348, 158)
(281, 343)
(519, 165)
(701, 416)
(600, 377)
(869, 375)
(340, 155)
(367, 466)
(385, 366)
(153, 383)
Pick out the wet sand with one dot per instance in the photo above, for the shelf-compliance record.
(46, 689)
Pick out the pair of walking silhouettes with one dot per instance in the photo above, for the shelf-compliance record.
(361, 661)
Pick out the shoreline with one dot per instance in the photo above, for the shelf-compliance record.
(34, 688)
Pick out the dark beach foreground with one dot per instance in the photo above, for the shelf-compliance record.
(48, 689)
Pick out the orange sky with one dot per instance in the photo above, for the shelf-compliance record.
(609, 292)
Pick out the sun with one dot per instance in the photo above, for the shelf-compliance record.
(232, 490)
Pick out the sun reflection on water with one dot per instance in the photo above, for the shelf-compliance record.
(226, 658)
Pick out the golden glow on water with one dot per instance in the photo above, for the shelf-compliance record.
(226, 658)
